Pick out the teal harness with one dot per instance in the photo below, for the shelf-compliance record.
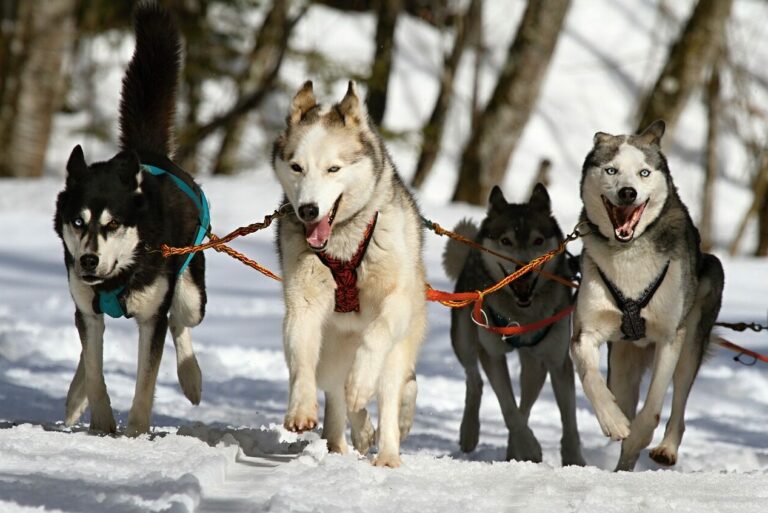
(514, 341)
(112, 302)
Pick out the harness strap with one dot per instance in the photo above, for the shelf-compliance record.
(478, 318)
(345, 273)
(515, 341)
(632, 323)
(112, 302)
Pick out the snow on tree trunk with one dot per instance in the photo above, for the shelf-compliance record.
(486, 156)
(264, 62)
(42, 35)
(378, 82)
(689, 58)
(432, 133)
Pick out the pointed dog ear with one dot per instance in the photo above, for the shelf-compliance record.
(654, 132)
(76, 165)
(302, 103)
(350, 108)
(128, 167)
(496, 199)
(602, 138)
(540, 198)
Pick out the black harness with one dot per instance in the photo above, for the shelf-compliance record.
(632, 324)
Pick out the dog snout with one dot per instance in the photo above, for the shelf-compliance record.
(308, 212)
(89, 262)
(627, 195)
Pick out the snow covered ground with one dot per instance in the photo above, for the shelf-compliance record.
(230, 453)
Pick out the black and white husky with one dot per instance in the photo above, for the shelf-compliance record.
(647, 289)
(521, 231)
(112, 217)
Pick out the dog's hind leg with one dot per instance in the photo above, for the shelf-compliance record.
(533, 374)
(626, 365)
(465, 345)
(77, 399)
(363, 434)
(665, 360)
(187, 368)
(187, 308)
(522, 445)
(407, 406)
(91, 330)
(151, 340)
(335, 421)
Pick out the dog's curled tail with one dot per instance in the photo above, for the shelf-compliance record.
(148, 99)
(455, 254)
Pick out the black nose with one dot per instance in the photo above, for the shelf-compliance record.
(308, 212)
(89, 262)
(627, 195)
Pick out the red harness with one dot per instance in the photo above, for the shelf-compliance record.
(345, 273)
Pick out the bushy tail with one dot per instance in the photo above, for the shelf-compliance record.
(455, 254)
(148, 99)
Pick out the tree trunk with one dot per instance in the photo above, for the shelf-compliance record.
(264, 63)
(378, 82)
(46, 32)
(758, 206)
(432, 133)
(688, 59)
(710, 165)
(485, 158)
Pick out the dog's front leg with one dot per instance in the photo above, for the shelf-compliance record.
(585, 350)
(664, 363)
(378, 340)
(302, 336)
(151, 340)
(91, 330)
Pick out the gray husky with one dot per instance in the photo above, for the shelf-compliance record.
(647, 289)
(521, 231)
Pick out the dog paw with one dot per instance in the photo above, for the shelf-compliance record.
(664, 455)
(359, 391)
(102, 420)
(469, 434)
(613, 422)
(337, 447)
(363, 440)
(391, 460)
(190, 379)
(301, 419)
(136, 427)
(523, 446)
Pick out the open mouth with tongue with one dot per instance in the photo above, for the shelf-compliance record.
(318, 233)
(522, 287)
(624, 219)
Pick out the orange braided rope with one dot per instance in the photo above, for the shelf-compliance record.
(439, 230)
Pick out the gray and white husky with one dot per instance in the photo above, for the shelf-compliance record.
(521, 231)
(647, 289)
(353, 276)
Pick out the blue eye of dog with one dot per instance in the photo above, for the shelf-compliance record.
(333, 169)
(538, 241)
(506, 241)
(78, 222)
(296, 167)
(611, 170)
(645, 173)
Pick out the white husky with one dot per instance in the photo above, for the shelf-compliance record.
(353, 276)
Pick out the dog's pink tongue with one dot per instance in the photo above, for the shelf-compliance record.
(318, 233)
(626, 218)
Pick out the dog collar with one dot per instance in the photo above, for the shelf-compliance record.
(632, 323)
(515, 341)
(112, 302)
(345, 273)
